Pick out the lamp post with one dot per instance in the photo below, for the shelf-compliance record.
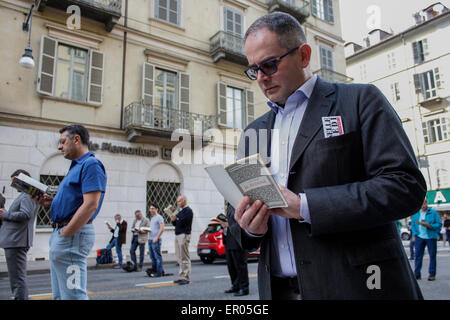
(27, 60)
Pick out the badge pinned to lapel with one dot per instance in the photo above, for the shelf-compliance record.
(332, 126)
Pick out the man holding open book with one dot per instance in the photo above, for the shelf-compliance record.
(346, 169)
(75, 206)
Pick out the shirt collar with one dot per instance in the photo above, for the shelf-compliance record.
(305, 90)
(84, 157)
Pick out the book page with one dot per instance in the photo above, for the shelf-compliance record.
(225, 185)
(254, 180)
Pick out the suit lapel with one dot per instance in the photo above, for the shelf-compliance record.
(319, 106)
(267, 124)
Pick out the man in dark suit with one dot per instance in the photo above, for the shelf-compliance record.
(236, 263)
(118, 238)
(346, 169)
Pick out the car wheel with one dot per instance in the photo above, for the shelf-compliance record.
(405, 236)
(207, 260)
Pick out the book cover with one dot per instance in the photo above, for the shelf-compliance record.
(247, 177)
(29, 185)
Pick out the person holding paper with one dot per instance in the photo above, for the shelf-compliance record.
(140, 237)
(346, 169)
(74, 208)
(118, 238)
(16, 237)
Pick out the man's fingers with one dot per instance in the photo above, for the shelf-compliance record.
(260, 219)
(240, 209)
(250, 213)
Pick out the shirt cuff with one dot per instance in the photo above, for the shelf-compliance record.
(252, 235)
(304, 209)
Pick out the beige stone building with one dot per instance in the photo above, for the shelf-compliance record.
(134, 73)
(411, 68)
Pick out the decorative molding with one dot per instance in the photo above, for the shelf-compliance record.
(82, 38)
(169, 59)
(236, 3)
(325, 41)
(234, 80)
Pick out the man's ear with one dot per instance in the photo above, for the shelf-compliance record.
(76, 139)
(305, 53)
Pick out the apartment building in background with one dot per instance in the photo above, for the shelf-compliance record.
(411, 68)
(135, 73)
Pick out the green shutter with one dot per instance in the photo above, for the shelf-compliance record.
(221, 104)
(148, 71)
(95, 88)
(47, 66)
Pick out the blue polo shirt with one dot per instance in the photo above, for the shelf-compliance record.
(86, 174)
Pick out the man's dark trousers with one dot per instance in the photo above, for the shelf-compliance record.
(431, 244)
(134, 245)
(236, 263)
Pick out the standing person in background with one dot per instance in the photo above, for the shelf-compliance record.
(154, 241)
(426, 225)
(74, 208)
(183, 225)
(447, 227)
(236, 263)
(16, 237)
(119, 237)
(140, 237)
(412, 242)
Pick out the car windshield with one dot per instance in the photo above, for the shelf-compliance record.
(213, 228)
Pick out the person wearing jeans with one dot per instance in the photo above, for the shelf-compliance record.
(73, 209)
(118, 238)
(140, 237)
(154, 242)
(68, 263)
(425, 225)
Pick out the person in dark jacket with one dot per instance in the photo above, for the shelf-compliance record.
(236, 263)
(183, 224)
(119, 237)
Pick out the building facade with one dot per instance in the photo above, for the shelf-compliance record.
(145, 77)
(411, 68)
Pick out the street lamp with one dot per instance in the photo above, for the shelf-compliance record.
(27, 60)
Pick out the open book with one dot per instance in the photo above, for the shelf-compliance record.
(247, 177)
(29, 185)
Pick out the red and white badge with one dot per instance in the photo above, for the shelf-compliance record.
(332, 126)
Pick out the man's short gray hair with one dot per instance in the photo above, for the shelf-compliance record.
(288, 29)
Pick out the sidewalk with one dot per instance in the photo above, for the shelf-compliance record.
(43, 266)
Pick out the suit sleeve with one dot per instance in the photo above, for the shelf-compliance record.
(25, 212)
(393, 187)
(242, 238)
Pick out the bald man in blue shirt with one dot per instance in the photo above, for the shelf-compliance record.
(75, 206)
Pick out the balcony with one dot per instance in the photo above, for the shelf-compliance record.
(332, 76)
(297, 8)
(148, 123)
(224, 45)
(105, 11)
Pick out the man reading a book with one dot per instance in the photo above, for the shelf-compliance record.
(346, 169)
(75, 206)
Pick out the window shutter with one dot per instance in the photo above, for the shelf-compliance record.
(437, 77)
(415, 46)
(221, 104)
(425, 133)
(418, 83)
(95, 89)
(184, 92)
(329, 15)
(249, 106)
(425, 47)
(148, 72)
(47, 66)
(314, 7)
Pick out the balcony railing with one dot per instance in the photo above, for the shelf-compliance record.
(224, 45)
(300, 9)
(106, 11)
(158, 121)
(333, 76)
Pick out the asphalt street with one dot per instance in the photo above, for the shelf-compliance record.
(208, 283)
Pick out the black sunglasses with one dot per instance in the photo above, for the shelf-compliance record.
(268, 67)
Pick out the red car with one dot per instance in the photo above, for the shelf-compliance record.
(210, 245)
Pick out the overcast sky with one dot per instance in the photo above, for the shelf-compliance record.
(395, 14)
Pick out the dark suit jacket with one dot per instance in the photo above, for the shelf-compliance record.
(122, 238)
(357, 185)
